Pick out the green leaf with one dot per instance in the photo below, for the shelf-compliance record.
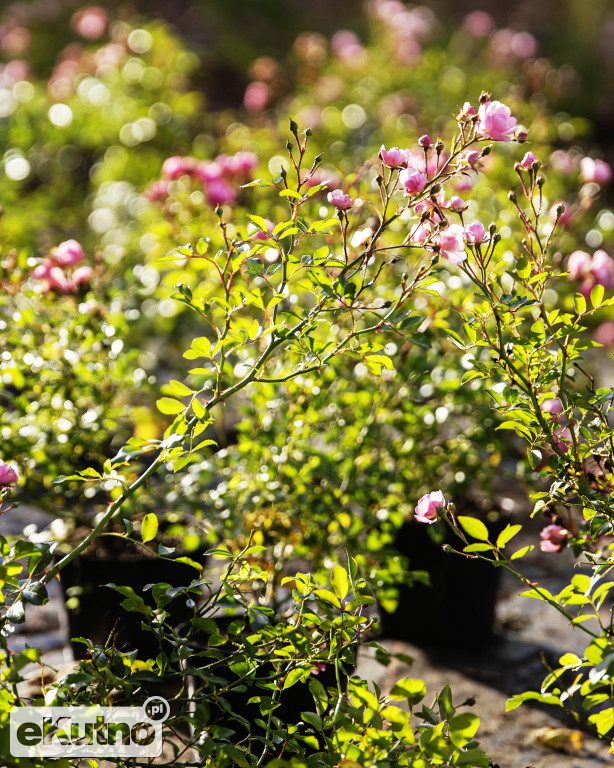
(597, 295)
(507, 534)
(340, 582)
(312, 719)
(519, 698)
(579, 303)
(178, 389)
(255, 266)
(474, 527)
(463, 728)
(149, 527)
(294, 675)
(446, 708)
(522, 552)
(478, 547)
(169, 406)
(409, 688)
(328, 597)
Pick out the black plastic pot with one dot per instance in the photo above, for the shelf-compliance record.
(98, 613)
(457, 609)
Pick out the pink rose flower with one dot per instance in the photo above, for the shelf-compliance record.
(452, 244)
(527, 161)
(471, 156)
(456, 204)
(595, 171)
(495, 121)
(157, 191)
(578, 265)
(68, 253)
(241, 164)
(421, 233)
(426, 508)
(413, 180)
(8, 476)
(475, 232)
(257, 96)
(340, 200)
(467, 112)
(553, 537)
(394, 157)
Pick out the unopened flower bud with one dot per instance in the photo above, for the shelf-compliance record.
(379, 180)
(521, 136)
(540, 181)
(496, 238)
(492, 227)
(219, 210)
(425, 141)
(484, 97)
(282, 172)
(308, 132)
(288, 146)
(435, 190)
(560, 210)
(511, 196)
(293, 126)
(446, 548)
(318, 159)
(439, 146)
(486, 151)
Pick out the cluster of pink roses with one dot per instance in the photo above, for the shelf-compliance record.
(220, 177)
(53, 269)
(597, 269)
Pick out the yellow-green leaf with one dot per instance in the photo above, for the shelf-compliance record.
(474, 527)
(149, 527)
(169, 406)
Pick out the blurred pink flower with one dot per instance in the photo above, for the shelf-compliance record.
(82, 275)
(604, 334)
(257, 96)
(562, 438)
(479, 23)
(426, 508)
(553, 538)
(68, 254)
(91, 22)
(578, 265)
(220, 192)
(177, 166)
(595, 171)
(495, 121)
(455, 204)
(257, 233)
(602, 268)
(452, 244)
(157, 191)
(553, 406)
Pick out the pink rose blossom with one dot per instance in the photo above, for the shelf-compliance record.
(553, 538)
(8, 476)
(495, 121)
(340, 200)
(595, 171)
(521, 136)
(578, 265)
(210, 171)
(57, 281)
(467, 112)
(394, 157)
(475, 232)
(471, 156)
(527, 161)
(452, 244)
(68, 253)
(421, 233)
(157, 191)
(456, 204)
(413, 180)
(241, 164)
(426, 508)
